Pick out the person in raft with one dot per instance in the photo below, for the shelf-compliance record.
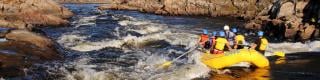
(261, 43)
(213, 41)
(239, 40)
(228, 34)
(220, 44)
(204, 39)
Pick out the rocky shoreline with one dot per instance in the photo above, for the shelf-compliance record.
(83, 1)
(27, 14)
(281, 19)
(237, 8)
(295, 20)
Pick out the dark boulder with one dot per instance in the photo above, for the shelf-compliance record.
(22, 49)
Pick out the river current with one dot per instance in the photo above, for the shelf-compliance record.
(130, 45)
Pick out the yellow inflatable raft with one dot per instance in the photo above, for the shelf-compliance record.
(218, 61)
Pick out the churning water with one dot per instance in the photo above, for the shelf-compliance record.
(118, 45)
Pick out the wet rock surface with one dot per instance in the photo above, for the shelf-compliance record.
(282, 19)
(21, 48)
(295, 20)
(25, 14)
(238, 8)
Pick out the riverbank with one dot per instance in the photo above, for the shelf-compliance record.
(83, 1)
(282, 20)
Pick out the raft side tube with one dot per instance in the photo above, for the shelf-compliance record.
(243, 55)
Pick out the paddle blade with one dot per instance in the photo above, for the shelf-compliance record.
(280, 53)
(166, 64)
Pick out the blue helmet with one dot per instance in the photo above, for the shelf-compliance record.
(214, 33)
(205, 31)
(234, 30)
(260, 33)
(221, 33)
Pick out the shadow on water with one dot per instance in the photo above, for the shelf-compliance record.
(298, 66)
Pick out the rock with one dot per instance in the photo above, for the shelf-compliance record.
(238, 8)
(15, 51)
(253, 26)
(17, 55)
(22, 14)
(290, 33)
(286, 9)
(82, 1)
(300, 6)
(14, 24)
(307, 32)
(22, 49)
(30, 37)
(276, 22)
(280, 19)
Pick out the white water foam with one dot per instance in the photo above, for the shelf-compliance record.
(90, 20)
(77, 42)
(143, 27)
(146, 69)
(293, 47)
(147, 66)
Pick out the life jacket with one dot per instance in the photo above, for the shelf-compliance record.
(220, 43)
(240, 39)
(204, 38)
(263, 44)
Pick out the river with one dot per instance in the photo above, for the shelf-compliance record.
(120, 44)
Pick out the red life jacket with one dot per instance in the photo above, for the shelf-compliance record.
(204, 38)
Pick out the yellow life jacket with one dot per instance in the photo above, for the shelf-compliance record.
(220, 43)
(264, 43)
(239, 39)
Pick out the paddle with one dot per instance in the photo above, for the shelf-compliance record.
(169, 63)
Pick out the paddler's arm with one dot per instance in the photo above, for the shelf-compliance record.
(253, 46)
(235, 43)
(199, 39)
(229, 47)
(212, 45)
